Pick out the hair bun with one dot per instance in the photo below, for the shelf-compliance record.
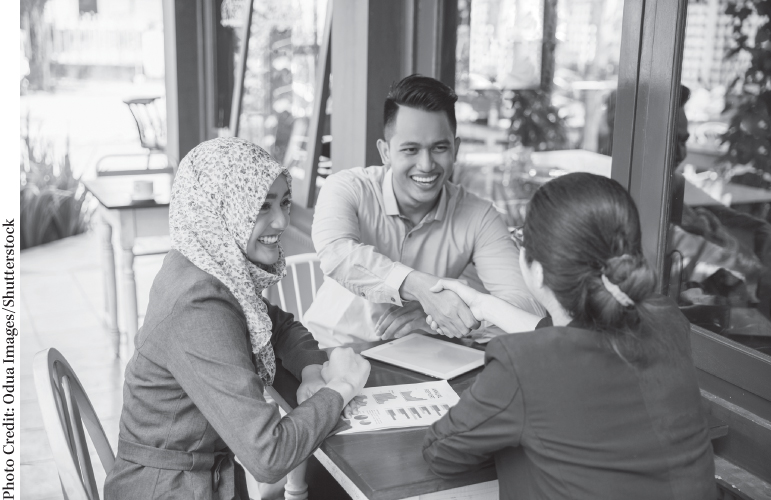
(632, 274)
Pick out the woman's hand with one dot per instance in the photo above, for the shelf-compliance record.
(346, 372)
(445, 307)
(471, 297)
(352, 408)
(311, 382)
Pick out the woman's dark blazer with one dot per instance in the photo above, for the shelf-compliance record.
(565, 417)
(192, 397)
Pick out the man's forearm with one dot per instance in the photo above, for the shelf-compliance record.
(362, 270)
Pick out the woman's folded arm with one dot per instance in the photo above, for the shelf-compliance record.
(208, 353)
(292, 343)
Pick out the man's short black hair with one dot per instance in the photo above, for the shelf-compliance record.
(419, 92)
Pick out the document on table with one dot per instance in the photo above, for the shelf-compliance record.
(400, 406)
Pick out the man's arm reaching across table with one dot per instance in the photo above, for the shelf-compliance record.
(368, 273)
(343, 257)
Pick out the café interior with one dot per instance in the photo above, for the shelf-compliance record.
(646, 92)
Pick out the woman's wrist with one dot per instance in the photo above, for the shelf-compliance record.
(480, 306)
(346, 390)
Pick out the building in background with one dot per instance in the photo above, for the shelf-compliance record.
(707, 42)
(104, 39)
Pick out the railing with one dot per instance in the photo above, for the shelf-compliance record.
(97, 46)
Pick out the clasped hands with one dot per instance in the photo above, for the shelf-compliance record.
(444, 306)
(346, 373)
(448, 306)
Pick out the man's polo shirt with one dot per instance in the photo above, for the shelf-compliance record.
(367, 248)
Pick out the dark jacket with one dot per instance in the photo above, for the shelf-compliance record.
(192, 387)
(564, 417)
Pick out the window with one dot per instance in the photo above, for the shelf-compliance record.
(280, 76)
(718, 248)
(537, 94)
(733, 377)
(87, 6)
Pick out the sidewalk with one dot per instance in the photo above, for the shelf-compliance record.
(62, 304)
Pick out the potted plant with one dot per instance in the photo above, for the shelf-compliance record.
(748, 98)
(52, 198)
(535, 122)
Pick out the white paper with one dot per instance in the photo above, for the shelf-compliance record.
(400, 406)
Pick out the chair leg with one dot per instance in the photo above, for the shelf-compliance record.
(296, 487)
(274, 491)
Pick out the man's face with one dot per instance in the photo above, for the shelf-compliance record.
(421, 151)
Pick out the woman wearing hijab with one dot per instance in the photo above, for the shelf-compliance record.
(603, 403)
(193, 393)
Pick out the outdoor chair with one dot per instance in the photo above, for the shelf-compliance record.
(151, 126)
(296, 487)
(65, 408)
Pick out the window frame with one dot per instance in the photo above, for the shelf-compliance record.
(734, 379)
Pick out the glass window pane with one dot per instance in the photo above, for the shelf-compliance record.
(719, 242)
(280, 77)
(536, 94)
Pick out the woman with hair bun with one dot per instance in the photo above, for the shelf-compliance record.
(602, 403)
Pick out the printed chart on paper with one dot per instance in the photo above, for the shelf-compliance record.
(400, 406)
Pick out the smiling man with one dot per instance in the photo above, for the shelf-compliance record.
(385, 235)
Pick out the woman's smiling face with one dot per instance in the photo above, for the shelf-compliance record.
(271, 222)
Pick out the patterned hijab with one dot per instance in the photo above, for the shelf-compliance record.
(217, 194)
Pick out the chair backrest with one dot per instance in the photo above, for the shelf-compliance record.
(150, 122)
(303, 286)
(65, 407)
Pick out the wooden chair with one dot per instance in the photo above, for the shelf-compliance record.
(296, 487)
(65, 408)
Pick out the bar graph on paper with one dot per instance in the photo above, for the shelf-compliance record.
(398, 406)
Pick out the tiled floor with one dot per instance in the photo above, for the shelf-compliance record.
(63, 307)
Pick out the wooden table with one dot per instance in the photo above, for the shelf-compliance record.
(124, 220)
(740, 195)
(576, 160)
(388, 464)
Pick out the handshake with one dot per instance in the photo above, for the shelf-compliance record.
(448, 306)
(345, 373)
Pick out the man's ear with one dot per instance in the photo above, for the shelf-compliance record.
(457, 146)
(385, 152)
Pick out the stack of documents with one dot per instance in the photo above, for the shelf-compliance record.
(400, 406)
